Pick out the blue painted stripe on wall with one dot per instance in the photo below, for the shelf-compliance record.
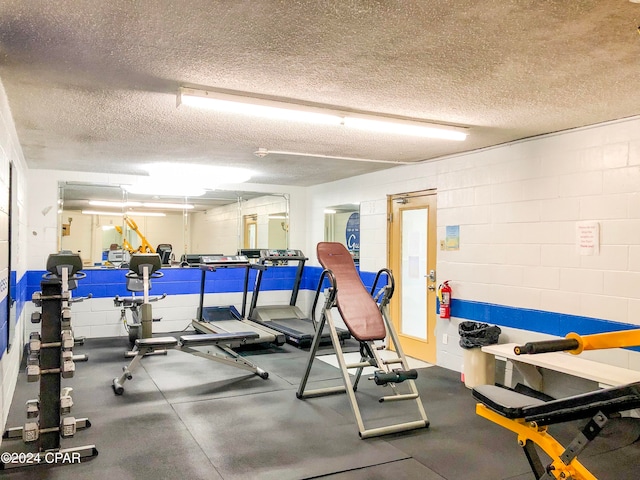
(558, 324)
(4, 326)
(107, 283)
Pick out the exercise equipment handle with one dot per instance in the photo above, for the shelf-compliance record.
(546, 346)
(395, 376)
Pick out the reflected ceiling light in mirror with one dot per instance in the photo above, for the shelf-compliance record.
(164, 189)
(196, 176)
(129, 204)
(281, 110)
(120, 214)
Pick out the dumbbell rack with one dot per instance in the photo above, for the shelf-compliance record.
(51, 359)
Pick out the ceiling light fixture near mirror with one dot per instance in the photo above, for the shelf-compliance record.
(186, 180)
(166, 189)
(280, 110)
(158, 205)
(120, 214)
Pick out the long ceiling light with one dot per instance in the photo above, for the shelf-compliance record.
(129, 204)
(259, 107)
(120, 214)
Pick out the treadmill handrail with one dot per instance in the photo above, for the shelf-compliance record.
(261, 266)
(211, 267)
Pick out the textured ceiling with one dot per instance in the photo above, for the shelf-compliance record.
(92, 83)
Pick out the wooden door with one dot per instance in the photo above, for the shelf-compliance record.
(412, 259)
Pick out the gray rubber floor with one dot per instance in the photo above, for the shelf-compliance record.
(185, 417)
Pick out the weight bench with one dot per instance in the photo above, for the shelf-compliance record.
(367, 319)
(529, 417)
(223, 342)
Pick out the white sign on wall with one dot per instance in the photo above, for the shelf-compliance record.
(588, 238)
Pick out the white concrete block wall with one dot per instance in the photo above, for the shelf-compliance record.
(517, 206)
(10, 151)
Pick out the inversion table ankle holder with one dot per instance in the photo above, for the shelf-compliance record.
(367, 321)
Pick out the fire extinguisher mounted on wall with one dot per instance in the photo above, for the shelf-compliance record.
(444, 295)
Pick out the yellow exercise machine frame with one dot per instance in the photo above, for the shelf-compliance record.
(145, 246)
(530, 433)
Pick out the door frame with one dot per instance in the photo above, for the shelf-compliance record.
(250, 220)
(396, 204)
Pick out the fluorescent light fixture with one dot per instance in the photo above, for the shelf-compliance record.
(105, 203)
(256, 107)
(131, 213)
(120, 214)
(279, 110)
(178, 206)
(101, 212)
(329, 211)
(106, 228)
(401, 127)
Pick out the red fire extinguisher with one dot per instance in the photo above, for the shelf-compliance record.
(444, 295)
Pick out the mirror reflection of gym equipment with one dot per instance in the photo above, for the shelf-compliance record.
(188, 230)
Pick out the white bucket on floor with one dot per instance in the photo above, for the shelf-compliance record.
(479, 368)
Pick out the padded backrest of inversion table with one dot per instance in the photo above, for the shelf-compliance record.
(357, 307)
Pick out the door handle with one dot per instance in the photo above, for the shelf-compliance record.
(432, 288)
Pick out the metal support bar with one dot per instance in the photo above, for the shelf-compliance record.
(229, 357)
(588, 433)
(399, 398)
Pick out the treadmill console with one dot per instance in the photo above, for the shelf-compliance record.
(274, 255)
(224, 260)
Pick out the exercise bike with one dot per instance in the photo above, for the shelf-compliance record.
(142, 268)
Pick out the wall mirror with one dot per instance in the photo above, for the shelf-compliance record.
(342, 224)
(12, 229)
(103, 222)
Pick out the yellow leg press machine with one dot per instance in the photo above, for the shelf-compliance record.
(529, 417)
(367, 319)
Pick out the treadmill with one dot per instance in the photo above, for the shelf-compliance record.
(227, 319)
(297, 327)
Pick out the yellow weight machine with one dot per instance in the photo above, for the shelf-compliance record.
(530, 417)
(145, 246)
